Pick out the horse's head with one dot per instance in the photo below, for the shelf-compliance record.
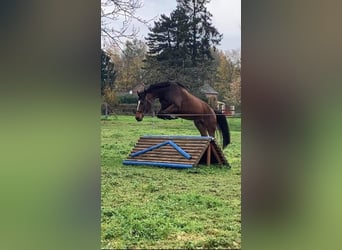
(144, 105)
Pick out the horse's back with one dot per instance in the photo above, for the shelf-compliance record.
(193, 105)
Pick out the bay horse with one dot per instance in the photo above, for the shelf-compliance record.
(176, 101)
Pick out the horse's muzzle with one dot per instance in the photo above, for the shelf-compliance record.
(139, 116)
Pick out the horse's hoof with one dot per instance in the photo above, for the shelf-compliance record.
(161, 117)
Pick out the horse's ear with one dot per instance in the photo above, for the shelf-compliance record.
(141, 93)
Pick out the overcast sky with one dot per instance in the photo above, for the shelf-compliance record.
(226, 18)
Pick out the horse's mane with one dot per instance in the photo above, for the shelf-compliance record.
(163, 85)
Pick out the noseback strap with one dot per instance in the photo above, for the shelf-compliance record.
(138, 106)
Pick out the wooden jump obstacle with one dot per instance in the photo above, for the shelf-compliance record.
(176, 151)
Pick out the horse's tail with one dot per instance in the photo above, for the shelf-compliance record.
(224, 127)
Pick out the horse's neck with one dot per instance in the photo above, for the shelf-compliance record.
(152, 96)
(158, 93)
(164, 95)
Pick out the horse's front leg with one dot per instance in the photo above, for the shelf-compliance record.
(166, 113)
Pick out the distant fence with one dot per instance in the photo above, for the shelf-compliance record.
(129, 109)
(125, 109)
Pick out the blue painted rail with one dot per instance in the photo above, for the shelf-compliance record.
(159, 164)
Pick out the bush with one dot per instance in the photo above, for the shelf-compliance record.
(128, 99)
(109, 96)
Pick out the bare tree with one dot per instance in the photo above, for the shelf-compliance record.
(116, 20)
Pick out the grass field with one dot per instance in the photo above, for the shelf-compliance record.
(152, 207)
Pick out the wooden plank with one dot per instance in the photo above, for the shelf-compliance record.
(179, 144)
(219, 152)
(176, 140)
(168, 155)
(163, 149)
(189, 150)
(173, 137)
(183, 144)
(218, 157)
(186, 148)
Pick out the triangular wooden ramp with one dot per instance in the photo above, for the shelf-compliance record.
(176, 151)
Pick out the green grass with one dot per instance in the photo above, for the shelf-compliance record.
(152, 207)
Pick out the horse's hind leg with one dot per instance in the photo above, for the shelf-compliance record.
(201, 127)
(210, 125)
(211, 130)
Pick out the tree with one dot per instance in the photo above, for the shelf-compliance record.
(129, 63)
(228, 77)
(108, 75)
(180, 45)
(234, 97)
(234, 58)
(108, 72)
(109, 97)
(223, 73)
(116, 18)
(203, 35)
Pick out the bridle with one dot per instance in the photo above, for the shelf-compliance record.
(149, 101)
